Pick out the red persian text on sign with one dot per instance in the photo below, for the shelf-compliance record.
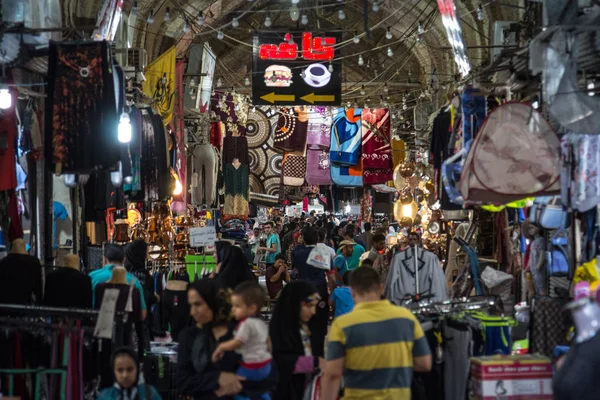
(318, 48)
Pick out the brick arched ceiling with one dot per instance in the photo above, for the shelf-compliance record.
(410, 65)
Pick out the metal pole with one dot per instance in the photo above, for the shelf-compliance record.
(416, 272)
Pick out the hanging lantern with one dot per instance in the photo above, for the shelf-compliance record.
(398, 210)
(399, 180)
(420, 169)
(406, 195)
(429, 187)
(410, 210)
(405, 222)
(407, 169)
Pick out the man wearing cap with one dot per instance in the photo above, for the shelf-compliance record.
(340, 263)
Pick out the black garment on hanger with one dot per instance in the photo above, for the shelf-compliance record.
(67, 287)
(176, 311)
(20, 279)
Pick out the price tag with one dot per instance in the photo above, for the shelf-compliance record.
(204, 236)
(106, 316)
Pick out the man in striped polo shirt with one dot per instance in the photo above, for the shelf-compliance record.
(375, 348)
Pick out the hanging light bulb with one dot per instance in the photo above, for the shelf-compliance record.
(341, 14)
(388, 34)
(291, 41)
(235, 22)
(124, 130)
(330, 68)
(480, 13)
(192, 82)
(356, 39)
(294, 13)
(219, 82)
(247, 81)
(304, 19)
(200, 19)
(349, 105)
(375, 6)
(362, 90)
(5, 98)
(220, 35)
(178, 186)
(134, 9)
(268, 21)
(361, 61)
(193, 93)
(150, 18)
(590, 86)
(420, 29)
(186, 27)
(390, 53)
(385, 88)
(167, 16)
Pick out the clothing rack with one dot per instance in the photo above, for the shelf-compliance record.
(39, 311)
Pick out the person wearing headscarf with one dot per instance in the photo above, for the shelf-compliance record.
(232, 267)
(291, 339)
(136, 253)
(129, 381)
(197, 375)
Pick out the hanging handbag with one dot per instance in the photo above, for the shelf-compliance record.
(547, 212)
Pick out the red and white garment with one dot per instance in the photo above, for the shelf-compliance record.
(377, 155)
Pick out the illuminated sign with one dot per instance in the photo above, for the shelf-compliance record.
(313, 49)
(296, 68)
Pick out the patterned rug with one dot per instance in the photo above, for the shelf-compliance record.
(265, 161)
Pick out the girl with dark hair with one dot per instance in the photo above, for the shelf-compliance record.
(291, 339)
(232, 267)
(197, 376)
(129, 383)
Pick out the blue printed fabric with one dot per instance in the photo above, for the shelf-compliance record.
(346, 137)
(474, 107)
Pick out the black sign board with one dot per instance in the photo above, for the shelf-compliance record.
(296, 68)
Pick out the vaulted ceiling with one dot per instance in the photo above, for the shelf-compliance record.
(408, 69)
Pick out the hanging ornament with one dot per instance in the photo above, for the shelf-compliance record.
(399, 180)
(413, 181)
(407, 169)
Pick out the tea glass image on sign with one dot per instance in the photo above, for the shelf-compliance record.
(317, 75)
(278, 76)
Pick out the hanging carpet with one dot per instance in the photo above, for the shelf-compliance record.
(265, 162)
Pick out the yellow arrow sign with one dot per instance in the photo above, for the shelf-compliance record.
(313, 98)
(272, 97)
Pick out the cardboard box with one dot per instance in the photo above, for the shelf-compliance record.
(519, 377)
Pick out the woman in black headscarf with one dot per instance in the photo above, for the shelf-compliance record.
(232, 267)
(291, 340)
(197, 376)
